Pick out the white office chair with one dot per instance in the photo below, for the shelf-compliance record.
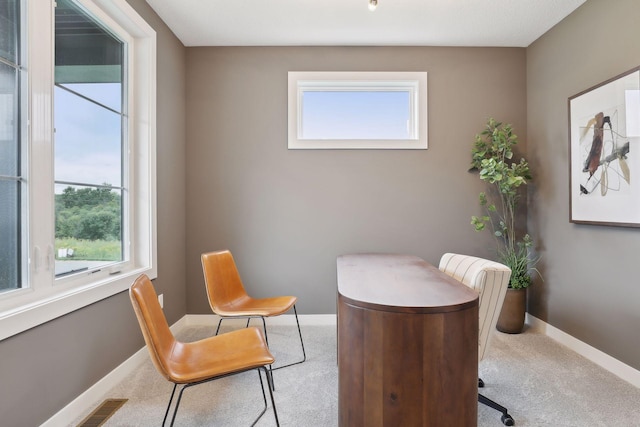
(490, 279)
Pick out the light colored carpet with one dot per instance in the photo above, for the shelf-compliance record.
(541, 382)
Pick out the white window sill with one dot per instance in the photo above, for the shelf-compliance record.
(27, 316)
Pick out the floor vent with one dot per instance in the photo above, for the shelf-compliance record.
(102, 413)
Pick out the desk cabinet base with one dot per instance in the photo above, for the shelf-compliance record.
(407, 369)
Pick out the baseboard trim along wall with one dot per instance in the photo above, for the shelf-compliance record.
(285, 319)
(87, 401)
(616, 367)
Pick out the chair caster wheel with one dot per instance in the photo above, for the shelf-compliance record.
(507, 420)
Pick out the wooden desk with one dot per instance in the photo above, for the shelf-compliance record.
(407, 344)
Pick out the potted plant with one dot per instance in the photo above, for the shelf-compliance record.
(492, 157)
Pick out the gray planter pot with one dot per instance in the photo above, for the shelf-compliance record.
(511, 320)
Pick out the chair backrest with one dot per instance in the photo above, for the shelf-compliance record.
(222, 280)
(155, 329)
(490, 279)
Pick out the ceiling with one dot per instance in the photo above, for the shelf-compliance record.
(515, 23)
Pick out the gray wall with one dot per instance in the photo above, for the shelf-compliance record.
(45, 368)
(591, 287)
(287, 214)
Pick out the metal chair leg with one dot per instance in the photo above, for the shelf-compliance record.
(304, 354)
(266, 335)
(266, 338)
(273, 402)
(264, 397)
(175, 410)
(169, 405)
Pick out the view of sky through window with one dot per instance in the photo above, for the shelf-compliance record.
(88, 136)
(356, 114)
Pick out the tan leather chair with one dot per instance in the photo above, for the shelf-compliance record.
(194, 363)
(490, 279)
(229, 299)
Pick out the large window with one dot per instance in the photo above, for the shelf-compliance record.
(77, 156)
(357, 110)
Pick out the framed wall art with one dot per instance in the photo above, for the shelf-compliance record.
(604, 154)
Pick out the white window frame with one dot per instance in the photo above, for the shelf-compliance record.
(413, 82)
(42, 298)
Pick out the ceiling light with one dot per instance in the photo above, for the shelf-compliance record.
(373, 4)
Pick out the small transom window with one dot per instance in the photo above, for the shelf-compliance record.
(342, 110)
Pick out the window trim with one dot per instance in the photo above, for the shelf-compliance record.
(45, 300)
(414, 82)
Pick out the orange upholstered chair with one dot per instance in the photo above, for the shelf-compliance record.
(194, 363)
(229, 299)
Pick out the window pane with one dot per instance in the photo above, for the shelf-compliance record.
(356, 115)
(8, 120)
(88, 144)
(88, 228)
(107, 94)
(9, 29)
(9, 235)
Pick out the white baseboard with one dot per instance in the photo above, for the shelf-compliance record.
(83, 405)
(598, 357)
(285, 319)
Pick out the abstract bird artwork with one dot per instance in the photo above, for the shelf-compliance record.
(595, 157)
(604, 131)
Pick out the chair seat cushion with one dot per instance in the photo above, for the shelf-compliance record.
(248, 306)
(219, 355)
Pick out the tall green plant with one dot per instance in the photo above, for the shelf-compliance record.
(492, 157)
